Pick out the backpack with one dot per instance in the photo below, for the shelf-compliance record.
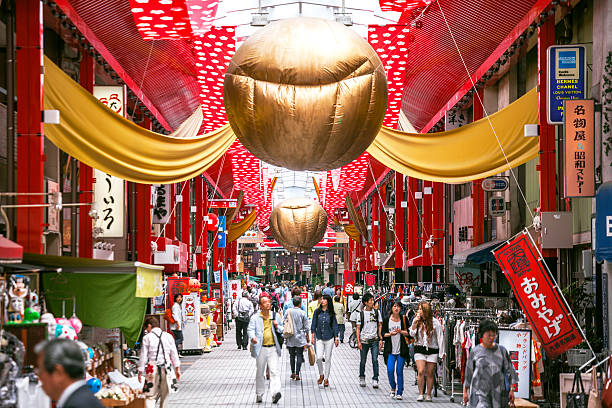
(279, 335)
(168, 316)
(275, 302)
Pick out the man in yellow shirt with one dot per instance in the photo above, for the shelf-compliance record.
(314, 304)
(265, 348)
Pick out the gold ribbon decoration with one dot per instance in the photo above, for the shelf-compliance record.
(237, 229)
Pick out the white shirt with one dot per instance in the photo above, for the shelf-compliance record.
(396, 338)
(167, 351)
(68, 392)
(369, 331)
(177, 315)
(243, 305)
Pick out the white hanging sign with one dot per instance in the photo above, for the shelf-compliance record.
(111, 96)
(518, 343)
(109, 195)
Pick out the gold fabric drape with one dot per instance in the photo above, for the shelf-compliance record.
(468, 153)
(97, 136)
(236, 230)
(352, 232)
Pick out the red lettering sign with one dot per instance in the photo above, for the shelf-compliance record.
(369, 281)
(348, 285)
(541, 301)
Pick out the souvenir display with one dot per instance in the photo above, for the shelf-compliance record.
(18, 298)
(205, 330)
(12, 354)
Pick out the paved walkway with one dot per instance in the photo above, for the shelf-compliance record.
(226, 378)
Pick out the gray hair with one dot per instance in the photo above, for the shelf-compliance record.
(297, 301)
(65, 353)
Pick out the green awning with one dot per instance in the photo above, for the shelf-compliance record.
(109, 294)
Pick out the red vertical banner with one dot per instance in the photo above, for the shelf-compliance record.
(413, 219)
(538, 296)
(348, 285)
(368, 281)
(399, 221)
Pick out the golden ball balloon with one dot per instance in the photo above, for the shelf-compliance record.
(298, 224)
(306, 94)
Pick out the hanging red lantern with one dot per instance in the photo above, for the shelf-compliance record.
(213, 222)
(194, 285)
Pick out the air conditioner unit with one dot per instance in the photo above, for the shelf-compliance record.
(260, 19)
(344, 18)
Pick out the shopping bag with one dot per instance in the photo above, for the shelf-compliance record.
(594, 396)
(606, 393)
(577, 398)
(312, 357)
(288, 325)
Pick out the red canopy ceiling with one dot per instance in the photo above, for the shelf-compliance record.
(174, 76)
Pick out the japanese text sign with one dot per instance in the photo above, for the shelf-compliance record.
(454, 119)
(348, 285)
(518, 343)
(161, 203)
(109, 198)
(235, 290)
(222, 231)
(539, 298)
(566, 71)
(579, 147)
(111, 96)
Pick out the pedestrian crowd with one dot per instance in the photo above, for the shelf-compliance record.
(315, 323)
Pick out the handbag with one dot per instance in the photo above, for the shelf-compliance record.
(606, 393)
(312, 357)
(288, 325)
(577, 398)
(594, 396)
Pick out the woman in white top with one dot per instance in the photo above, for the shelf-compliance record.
(428, 347)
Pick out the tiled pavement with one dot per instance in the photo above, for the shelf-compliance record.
(226, 378)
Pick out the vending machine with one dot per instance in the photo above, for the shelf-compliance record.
(191, 326)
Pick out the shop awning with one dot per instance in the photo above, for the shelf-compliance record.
(477, 255)
(108, 294)
(10, 252)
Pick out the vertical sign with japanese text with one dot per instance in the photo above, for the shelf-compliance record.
(109, 190)
(369, 281)
(518, 343)
(539, 298)
(161, 203)
(579, 147)
(348, 285)
(109, 197)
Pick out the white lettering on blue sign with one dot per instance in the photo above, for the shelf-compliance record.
(608, 225)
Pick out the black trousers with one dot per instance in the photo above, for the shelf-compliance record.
(296, 359)
(241, 333)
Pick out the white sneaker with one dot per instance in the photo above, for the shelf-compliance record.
(392, 394)
(362, 382)
(259, 399)
(420, 398)
(375, 384)
(428, 398)
(398, 397)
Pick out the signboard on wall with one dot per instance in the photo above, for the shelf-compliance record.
(111, 96)
(109, 196)
(53, 213)
(566, 73)
(518, 343)
(455, 118)
(579, 152)
(161, 203)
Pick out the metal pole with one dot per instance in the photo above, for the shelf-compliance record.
(10, 106)
(74, 187)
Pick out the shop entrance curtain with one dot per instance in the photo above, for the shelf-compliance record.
(97, 136)
(464, 154)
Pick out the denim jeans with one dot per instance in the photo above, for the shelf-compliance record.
(373, 349)
(395, 363)
(341, 332)
(296, 359)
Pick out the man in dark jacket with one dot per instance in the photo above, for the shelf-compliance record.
(61, 370)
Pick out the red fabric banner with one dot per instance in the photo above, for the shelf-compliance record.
(369, 281)
(539, 298)
(348, 285)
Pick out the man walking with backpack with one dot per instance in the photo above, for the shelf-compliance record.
(369, 338)
(243, 309)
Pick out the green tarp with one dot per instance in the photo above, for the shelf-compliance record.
(102, 300)
(105, 291)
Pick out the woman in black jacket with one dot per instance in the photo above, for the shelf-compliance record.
(395, 351)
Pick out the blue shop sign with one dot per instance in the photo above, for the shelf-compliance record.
(603, 223)
(566, 73)
(221, 233)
